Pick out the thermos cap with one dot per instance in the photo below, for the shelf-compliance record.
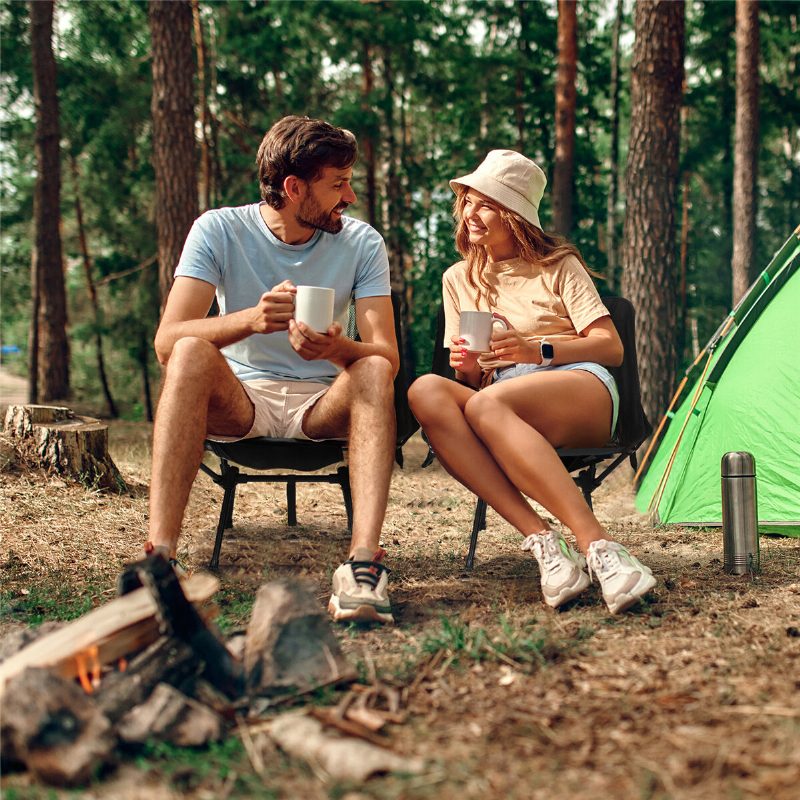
(738, 464)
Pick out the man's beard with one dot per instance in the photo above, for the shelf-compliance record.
(311, 215)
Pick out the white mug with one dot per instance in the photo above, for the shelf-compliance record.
(313, 305)
(476, 328)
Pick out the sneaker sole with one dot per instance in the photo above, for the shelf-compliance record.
(362, 613)
(624, 601)
(568, 592)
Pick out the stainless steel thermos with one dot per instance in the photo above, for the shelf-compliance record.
(740, 514)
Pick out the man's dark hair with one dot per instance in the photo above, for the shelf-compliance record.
(303, 147)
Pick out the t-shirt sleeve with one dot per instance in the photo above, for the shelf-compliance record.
(372, 273)
(579, 294)
(452, 306)
(198, 259)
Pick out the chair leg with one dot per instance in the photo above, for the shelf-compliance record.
(478, 524)
(344, 482)
(291, 501)
(229, 517)
(224, 515)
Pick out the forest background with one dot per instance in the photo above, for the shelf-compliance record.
(428, 88)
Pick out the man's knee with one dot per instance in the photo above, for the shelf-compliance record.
(373, 375)
(193, 357)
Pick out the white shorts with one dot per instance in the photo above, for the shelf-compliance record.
(279, 408)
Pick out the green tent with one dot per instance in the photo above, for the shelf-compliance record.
(742, 393)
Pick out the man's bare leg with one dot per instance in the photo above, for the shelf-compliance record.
(360, 406)
(200, 395)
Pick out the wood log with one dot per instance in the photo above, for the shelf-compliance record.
(290, 646)
(73, 446)
(170, 716)
(165, 661)
(54, 729)
(123, 625)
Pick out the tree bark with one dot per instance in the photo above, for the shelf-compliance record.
(50, 302)
(565, 116)
(202, 104)
(172, 109)
(367, 141)
(650, 188)
(745, 157)
(92, 290)
(613, 178)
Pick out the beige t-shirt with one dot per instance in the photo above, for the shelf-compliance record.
(556, 302)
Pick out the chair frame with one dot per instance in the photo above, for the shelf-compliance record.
(632, 426)
(265, 453)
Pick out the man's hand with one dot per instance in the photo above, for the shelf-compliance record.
(274, 310)
(461, 359)
(313, 346)
(510, 345)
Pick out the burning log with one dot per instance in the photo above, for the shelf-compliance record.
(54, 728)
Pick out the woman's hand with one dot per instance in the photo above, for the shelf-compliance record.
(510, 345)
(461, 359)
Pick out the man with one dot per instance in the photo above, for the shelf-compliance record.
(255, 371)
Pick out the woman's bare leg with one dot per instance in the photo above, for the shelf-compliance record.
(523, 419)
(438, 404)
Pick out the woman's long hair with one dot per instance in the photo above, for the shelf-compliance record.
(532, 244)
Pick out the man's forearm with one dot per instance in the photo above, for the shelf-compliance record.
(220, 331)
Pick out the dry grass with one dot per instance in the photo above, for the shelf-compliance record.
(695, 694)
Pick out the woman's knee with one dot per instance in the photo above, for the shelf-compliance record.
(484, 410)
(428, 395)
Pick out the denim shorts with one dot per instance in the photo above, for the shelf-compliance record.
(599, 371)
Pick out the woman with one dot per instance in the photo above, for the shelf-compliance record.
(545, 382)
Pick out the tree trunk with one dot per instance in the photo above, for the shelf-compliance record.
(87, 269)
(144, 364)
(172, 109)
(48, 268)
(368, 141)
(565, 116)
(613, 178)
(523, 67)
(745, 157)
(650, 188)
(202, 104)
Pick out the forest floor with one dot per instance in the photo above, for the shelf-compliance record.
(693, 694)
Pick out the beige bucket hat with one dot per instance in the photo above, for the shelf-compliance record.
(512, 180)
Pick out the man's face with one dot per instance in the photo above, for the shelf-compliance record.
(326, 199)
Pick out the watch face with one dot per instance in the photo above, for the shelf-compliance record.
(547, 350)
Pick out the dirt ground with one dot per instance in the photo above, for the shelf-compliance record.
(694, 694)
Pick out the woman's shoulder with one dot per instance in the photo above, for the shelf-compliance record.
(456, 273)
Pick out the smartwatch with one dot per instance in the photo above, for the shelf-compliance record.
(546, 351)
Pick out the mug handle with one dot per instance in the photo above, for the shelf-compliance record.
(499, 319)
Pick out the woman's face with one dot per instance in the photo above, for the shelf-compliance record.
(484, 225)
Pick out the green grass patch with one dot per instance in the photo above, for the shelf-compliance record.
(47, 603)
(235, 607)
(526, 646)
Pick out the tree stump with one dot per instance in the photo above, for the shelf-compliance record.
(73, 446)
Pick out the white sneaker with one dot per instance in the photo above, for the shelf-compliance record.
(360, 589)
(623, 578)
(561, 567)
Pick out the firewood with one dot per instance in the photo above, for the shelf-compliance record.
(121, 626)
(164, 661)
(53, 728)
(170, 716)
(72, 446)
(290, 646)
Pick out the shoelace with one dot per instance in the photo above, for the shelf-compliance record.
(369, 572)
(602, 560)
(546, 544)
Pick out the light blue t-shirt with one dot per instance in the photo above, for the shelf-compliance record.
(234, 250)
